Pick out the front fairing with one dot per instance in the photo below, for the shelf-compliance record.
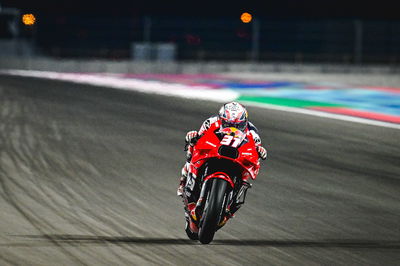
(209, 144)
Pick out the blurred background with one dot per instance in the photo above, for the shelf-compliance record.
(88, 174)
(352, 32)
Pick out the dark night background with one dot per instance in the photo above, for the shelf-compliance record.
(306, 31)
(282, 8)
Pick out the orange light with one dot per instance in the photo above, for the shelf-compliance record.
(28, 19)
(246, 17)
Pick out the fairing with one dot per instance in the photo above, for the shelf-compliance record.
(209, 144)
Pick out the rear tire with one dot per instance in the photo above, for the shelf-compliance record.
(214, 210)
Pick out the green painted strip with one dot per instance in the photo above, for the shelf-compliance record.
(287, 102)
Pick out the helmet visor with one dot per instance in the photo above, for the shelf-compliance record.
(239, 125)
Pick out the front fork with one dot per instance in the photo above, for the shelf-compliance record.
(194, 197)
(234, 201)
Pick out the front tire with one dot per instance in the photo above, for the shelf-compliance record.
(213, 211)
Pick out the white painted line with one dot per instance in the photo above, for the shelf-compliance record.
(168, 89)
(181, 90)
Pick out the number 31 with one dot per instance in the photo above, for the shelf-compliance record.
(227, 140)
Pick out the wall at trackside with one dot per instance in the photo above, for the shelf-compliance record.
(69, 65)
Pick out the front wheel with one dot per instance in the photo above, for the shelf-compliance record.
(213, 211)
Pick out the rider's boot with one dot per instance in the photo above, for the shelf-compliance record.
(184, 172)
(182, 180)
(191, 217)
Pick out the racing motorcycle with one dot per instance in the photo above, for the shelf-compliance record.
(221, 163)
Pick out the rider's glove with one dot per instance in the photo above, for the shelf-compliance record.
(190, 135)
(262, 152)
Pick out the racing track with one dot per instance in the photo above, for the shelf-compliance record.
(88, 176)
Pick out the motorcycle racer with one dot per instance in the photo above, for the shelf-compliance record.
(232, 114)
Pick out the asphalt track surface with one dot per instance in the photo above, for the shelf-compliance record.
(88, 176)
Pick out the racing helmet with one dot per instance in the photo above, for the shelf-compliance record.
(233, 114)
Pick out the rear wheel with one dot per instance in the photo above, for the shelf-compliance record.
(213, 210)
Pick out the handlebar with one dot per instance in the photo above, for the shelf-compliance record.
(193, 141)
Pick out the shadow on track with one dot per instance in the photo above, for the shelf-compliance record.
(327, 243)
